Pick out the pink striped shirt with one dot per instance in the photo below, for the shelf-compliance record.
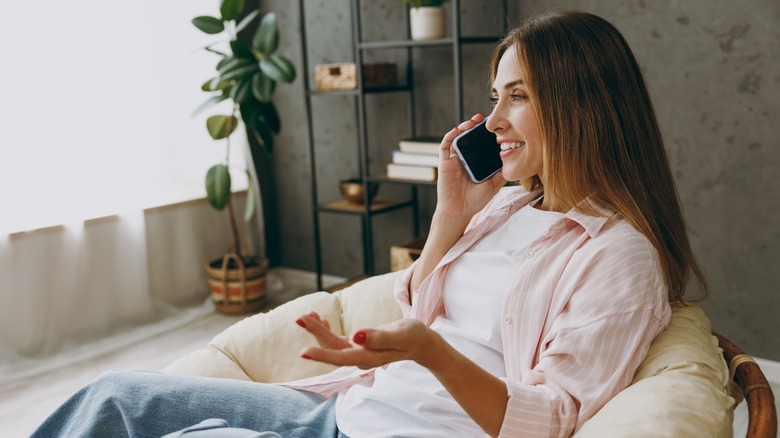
(585, 302)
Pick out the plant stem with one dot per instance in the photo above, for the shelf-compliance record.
(234, 229)
(231, 215)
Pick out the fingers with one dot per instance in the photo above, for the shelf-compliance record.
(400, 335)
(316, 316)
(470, 123)
(320, 329)
(463, 126)
(399, 340)
(446, 144)
(355, 356)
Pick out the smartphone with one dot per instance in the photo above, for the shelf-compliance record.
(478, 150)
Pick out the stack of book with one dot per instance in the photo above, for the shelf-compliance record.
(415, 159)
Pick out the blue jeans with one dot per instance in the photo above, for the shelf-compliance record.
(151, 404)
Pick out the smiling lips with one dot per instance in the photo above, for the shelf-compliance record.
(512, 145)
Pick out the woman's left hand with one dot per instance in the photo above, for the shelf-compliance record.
(403, 339)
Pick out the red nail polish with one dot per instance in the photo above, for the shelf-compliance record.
(305, 356)
(300, 323)
(359, 338)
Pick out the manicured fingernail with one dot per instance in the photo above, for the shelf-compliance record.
(305, 356)
(457, 129)
(300, 323)
(359, 338)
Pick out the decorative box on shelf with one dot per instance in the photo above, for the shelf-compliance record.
(379, 74)
(404, 254)
(342, 76)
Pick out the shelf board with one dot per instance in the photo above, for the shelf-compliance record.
(388, 89)
(480, 40)
(402, 44)
(383, 178)
(371, 90)
(332, 92)
(378, 205)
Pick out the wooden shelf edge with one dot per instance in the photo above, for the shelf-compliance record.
(383, 178)
(379, 204)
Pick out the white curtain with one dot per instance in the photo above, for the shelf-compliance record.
(65, 286)
(75, 292)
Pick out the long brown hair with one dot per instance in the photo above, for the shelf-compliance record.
(601, 136)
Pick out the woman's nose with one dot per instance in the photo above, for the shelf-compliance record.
(495, 121)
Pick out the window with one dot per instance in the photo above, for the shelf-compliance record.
(96, 105)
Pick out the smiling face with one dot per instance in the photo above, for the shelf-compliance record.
(514, 121)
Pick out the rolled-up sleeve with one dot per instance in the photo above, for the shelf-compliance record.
(402, 293)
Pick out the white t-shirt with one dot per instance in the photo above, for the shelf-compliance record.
(405, 399)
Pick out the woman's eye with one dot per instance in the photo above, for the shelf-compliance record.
(493, 101)
(518, 97)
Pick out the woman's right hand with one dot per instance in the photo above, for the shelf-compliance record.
(458, 196)
(458, 200)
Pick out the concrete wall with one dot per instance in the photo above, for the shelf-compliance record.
(713, 67)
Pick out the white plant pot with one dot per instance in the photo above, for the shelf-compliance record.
(427, 22)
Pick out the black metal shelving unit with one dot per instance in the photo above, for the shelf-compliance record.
(380, 205)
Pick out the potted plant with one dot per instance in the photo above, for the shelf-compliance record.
(426, 19)
(246, 76)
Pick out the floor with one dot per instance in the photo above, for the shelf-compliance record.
(25, 404)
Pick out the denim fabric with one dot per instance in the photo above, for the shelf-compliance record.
(216, 427)
(151, 404)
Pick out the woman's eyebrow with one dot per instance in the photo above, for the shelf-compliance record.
(510, 84)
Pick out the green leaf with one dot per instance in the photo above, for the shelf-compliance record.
(218, 186)
(241, 91)
(242, 50)
(250, 206)
(229, 64)
(222, 62)
(278, 68)
(213, 100)
(236, 69)
(231, 9)
(214, 84)
(266, 38)
(262, 87)
(248, 19)
(220, 127)
(239, 72)
(209, 25)
(209, 49)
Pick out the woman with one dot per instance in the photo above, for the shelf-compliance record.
(529, 307)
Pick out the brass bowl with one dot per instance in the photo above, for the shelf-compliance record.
(352, 190)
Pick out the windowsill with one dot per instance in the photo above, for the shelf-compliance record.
(167, 196)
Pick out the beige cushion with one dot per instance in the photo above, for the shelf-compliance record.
(266, 347)
(678, 391)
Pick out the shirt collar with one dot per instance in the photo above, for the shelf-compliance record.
(592, 224)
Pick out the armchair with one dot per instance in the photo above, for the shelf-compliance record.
(681, 389)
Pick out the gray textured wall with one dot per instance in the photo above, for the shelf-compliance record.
(713, 67)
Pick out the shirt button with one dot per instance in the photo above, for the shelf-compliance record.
(508, 320)
(529, 254)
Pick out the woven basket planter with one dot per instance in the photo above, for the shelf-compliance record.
(237, 284)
